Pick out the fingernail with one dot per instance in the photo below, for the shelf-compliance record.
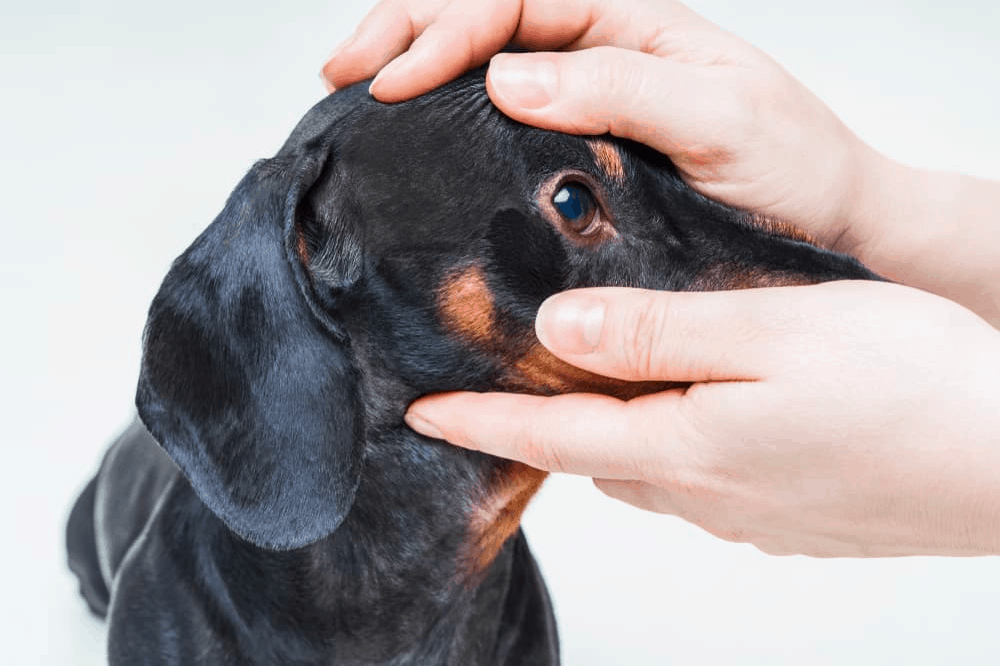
(524, 80)
(422, 426)
(570, 323)
(393, 66)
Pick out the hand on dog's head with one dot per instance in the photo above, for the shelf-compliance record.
(388, 251)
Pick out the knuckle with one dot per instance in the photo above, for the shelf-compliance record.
(421, 13)
(543, 453)
(613, 73)
(641, 336)
(601, 82)
(540, 445)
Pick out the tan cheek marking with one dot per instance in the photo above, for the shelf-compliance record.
(541, 372)
(497, 516)
(608, 158)
(465, 305)
(780, 228)
(734, 276)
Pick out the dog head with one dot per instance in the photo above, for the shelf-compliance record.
(389, 251)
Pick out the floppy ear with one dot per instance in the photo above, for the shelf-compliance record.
(247, 384)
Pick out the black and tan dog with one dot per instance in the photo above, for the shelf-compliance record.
(277, 509)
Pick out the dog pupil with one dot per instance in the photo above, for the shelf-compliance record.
(573, 201)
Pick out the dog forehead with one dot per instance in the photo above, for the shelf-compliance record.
(433, 172)
(450, 158)
(447, 139)
(423, 145)
(457, 133)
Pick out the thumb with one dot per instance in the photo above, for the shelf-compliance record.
(604, 89)
(641, 335)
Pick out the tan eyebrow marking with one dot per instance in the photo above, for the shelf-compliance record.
(608, 158)
(465, 305)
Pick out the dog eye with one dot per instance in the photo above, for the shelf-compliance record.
(575, 203)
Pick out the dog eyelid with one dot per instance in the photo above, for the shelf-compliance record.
(573, 202)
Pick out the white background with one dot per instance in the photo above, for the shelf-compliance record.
(125, 124)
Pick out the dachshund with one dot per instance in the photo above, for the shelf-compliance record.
(271, 506)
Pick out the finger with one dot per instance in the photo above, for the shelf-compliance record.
(641, 335)
(460, 39)
(583, 434)
(425, 43)
(457, 40)
(665, 104)
(387, 31)
(649, 26)
(448, 39)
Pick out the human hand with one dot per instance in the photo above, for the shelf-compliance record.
(739, 128)
(841, 419)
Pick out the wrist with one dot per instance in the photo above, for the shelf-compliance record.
(933, 230)
(882, 221)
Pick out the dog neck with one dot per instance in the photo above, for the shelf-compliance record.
(408, 577)
(425, 496)
(423, 560)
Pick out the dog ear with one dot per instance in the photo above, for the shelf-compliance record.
(246, 382)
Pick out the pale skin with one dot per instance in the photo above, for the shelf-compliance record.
(842, 419)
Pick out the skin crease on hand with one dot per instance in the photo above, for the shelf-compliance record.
(843, 419)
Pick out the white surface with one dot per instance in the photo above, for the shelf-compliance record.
(126, 124)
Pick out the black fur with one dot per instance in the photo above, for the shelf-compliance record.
(272, 506)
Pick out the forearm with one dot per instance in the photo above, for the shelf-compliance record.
(937, 231)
